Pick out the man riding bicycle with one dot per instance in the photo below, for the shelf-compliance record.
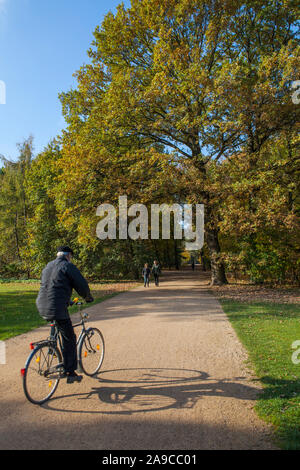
(59, 277)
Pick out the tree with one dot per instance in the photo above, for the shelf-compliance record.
(179, 97)
(45, 233)
(199, 77)
(14, 211)
(260, 219)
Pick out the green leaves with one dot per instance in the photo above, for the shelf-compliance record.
(185, 101)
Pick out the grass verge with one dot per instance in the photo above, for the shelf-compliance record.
(268, 331)
(18, 312)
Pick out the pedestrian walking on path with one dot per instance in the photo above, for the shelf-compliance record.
(156, 272)
(146, 273)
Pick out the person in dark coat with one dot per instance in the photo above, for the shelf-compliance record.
(156, 272)
(146, 273)
(58, 280)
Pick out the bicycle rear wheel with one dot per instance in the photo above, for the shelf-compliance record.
(42, 373)
(91, 351)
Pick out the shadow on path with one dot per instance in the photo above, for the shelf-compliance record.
(149, 390)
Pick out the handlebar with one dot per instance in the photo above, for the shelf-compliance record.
(79, 303)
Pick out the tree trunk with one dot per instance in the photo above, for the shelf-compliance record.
(136, 271)
(218, 276)
(203, 260)
(176, 260)
(17, 236)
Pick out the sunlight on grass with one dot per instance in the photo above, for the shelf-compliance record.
(18, 312)
(268, 330)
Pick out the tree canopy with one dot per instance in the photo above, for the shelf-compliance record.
(183, 101)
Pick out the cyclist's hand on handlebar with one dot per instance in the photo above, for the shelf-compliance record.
(74, 301)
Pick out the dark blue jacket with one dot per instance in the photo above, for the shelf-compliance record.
(146, 272)
(58, 279)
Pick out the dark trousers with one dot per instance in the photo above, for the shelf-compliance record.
(69, 349)
(156, 279)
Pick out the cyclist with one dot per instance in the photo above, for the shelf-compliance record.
(59, 277)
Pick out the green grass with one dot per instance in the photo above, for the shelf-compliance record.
(268, 330)
(18, 312)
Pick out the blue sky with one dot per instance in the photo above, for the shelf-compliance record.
(42, 43)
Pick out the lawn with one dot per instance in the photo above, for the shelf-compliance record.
(18, 313)
(268, 331)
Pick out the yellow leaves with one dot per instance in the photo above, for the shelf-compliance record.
(87, 229)
(68, 218)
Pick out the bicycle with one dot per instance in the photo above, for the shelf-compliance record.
(44, 366)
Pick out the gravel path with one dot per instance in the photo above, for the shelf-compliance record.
(173, 378)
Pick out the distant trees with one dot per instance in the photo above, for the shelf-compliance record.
(15, 212)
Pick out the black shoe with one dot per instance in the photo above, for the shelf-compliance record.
(71, 377)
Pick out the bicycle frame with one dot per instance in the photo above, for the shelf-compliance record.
(57, 338)
(51, 352)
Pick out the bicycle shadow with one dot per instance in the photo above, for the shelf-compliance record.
(152, 390)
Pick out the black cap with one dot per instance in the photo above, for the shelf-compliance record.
(65, 249)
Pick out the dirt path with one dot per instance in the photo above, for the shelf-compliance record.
(173, 378)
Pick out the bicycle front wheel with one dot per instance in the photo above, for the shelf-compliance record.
(42, 373)
(91, 351)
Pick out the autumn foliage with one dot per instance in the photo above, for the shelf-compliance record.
(184, 101)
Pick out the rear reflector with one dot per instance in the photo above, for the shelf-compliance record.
(23, 372)
(31, 346)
